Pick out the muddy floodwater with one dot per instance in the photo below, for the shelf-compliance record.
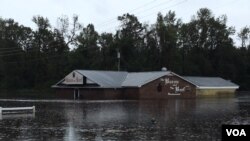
(175, 119)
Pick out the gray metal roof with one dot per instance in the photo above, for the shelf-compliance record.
(138, 79)
(106, 79)
(115, 79)
(206, 82)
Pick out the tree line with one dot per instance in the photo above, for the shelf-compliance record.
(37, 58)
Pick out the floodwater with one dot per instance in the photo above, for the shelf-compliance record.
(175, 119)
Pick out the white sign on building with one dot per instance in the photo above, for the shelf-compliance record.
(73, 78)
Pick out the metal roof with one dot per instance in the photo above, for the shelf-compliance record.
(119, 79)
(115, 79)
(106, 79)
(210, 82)
(137, 79)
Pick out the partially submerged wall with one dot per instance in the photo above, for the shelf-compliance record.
(98, 93)
(215, 92)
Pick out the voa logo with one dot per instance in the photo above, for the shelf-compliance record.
(236, 132)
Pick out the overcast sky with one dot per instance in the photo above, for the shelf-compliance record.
(103, 13)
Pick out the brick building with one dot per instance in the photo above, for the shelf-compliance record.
(90, 84)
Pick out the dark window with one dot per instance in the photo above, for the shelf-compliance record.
(73, 74)
(159, 87)
(84, 80)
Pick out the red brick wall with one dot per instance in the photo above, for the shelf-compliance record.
(94, 94)
(130, 93)
(148, 91)
(65, 93)
(100, 94)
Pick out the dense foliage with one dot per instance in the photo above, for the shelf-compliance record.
(37, 58)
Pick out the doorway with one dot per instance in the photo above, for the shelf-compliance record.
(76, 94)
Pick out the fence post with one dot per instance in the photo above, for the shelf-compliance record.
(34, 109)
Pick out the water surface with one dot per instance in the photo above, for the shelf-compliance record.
(175, 119)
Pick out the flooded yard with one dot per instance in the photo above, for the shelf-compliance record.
(174, 119)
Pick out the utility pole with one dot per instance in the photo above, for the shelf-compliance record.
(119, 60)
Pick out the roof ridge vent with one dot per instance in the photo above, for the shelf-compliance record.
(163, 69)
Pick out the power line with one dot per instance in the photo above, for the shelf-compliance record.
(10, 48)
(10, 54)
(34, 49)
(161, 4)
(36, 59)
(15, 51)
(21, 50)
(41, 58)
(179, 3)
(114, 20)
(18, 50)
(228, 3)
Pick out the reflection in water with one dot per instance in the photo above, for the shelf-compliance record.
(15, 116)
(71, 115)
(70, 133)
(175, 119)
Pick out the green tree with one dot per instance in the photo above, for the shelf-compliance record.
(206, 39)
(87, 55)
(244, 36)
(167, 29)
(14, 40)
(108, 51)
(129, 40)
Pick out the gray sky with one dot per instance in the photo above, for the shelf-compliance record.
(103, 13)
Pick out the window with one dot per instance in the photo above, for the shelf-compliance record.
(84, 80)
(159, 87)
(73, 74)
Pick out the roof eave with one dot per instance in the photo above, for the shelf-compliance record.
(131, 86)
(224, 87)
(184, 79)
(78, 87)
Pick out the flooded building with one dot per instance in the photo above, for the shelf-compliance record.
(209, 86)
(90, 84)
